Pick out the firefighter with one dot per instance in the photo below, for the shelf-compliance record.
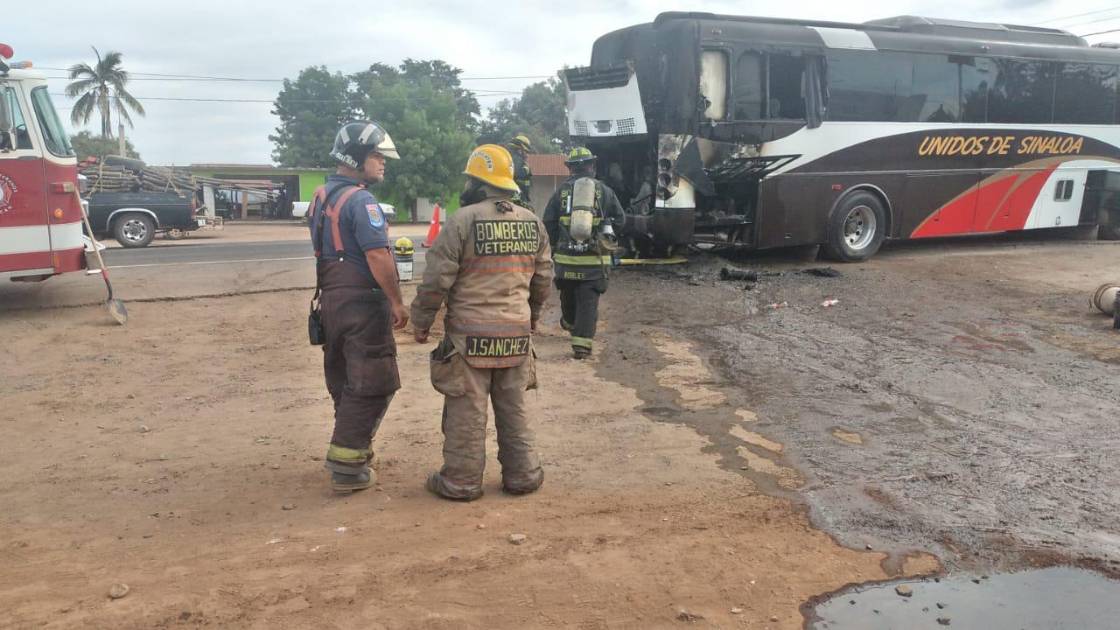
(581, 219)
(360, 299)
(492, 267)
(520, 147)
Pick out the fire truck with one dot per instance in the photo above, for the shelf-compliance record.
(40, 214)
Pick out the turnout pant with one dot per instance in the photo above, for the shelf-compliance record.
(468, 392)
(359, 362)
(579, 309)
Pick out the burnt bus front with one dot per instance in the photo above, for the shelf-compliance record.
(680, 135)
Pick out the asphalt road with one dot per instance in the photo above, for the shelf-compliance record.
(177, 271)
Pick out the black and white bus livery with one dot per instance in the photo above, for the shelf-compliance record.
(760, 132)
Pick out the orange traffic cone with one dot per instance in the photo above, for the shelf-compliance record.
(433, 229)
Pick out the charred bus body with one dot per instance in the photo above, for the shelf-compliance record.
(760, 133)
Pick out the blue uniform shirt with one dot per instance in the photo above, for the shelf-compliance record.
(361, 224)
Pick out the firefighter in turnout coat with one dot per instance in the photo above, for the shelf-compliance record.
(492, 267)
(581, 218)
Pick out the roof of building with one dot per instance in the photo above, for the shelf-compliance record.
(547, 164)
(258, 168)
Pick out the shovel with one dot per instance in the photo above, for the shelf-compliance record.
(115, 306)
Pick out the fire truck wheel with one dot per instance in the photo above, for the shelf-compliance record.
(134, 230)
(856, 228)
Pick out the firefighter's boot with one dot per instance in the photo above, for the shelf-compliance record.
(438, 485)
(346, 479)
(344, 483)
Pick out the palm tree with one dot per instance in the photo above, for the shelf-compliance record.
(102, 87)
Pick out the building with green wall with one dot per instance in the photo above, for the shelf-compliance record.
(300, 182)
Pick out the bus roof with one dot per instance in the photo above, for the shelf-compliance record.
(903, 33)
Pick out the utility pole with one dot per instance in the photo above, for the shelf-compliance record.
(120, 141)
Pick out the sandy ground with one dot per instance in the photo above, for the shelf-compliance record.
(166, 463)
(717, 465)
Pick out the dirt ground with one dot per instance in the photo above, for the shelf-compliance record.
(719, 462)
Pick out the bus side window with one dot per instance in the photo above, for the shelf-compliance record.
(713, 84)
(23, 136)
(786, 98)
(750, 81)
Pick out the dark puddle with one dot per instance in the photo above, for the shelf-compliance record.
(1047, 599)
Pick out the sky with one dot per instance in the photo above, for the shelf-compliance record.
(270, 41)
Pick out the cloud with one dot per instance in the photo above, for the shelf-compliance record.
(272, 40)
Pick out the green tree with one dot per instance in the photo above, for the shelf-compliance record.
(538, 113)
(311, 110)
(431, 119)
(88, 145)
(102, 87)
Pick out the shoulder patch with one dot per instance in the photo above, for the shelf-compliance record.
(376, 218)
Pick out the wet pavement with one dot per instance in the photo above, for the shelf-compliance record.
(952, 401)
(1047, 599)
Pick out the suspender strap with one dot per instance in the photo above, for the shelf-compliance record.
(324, 210)
(333, 212)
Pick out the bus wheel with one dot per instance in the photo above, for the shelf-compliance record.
(134, 230)
(856, 228)
(1109, 233)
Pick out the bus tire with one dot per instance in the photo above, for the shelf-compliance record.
(134, 230)
(1109, 233)
(856, 228)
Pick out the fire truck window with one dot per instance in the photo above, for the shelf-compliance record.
(54, 134)
(749, 83)
(786, 98)
(713, 84)
(23, 137)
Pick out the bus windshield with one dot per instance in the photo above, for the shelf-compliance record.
(54, 134)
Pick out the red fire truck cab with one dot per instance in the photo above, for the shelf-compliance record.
(40, 216)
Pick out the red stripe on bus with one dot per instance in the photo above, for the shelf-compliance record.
(1015, 211)
(992, 201)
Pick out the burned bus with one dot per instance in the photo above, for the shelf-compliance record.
(746, 132)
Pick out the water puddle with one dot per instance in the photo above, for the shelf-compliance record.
(1046, 599)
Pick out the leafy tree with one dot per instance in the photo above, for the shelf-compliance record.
(538, 113)
(311, 110)
(431, 120)
(88, 145)
(101, 87)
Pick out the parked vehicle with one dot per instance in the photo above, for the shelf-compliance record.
(40, 214)
(134, 218)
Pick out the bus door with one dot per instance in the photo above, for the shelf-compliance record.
(25, 242)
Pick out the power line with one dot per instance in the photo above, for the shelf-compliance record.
(1097, 21)
(153, 76)
(238, 100)
(1079, 15)
(1115, 30)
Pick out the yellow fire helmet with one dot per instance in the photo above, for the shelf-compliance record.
(493, 165)
(403, 246)
(522, 140)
